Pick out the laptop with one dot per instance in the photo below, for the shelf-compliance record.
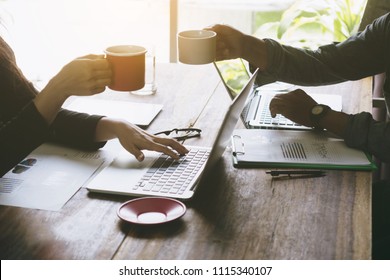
(160, 175)
(256, 112)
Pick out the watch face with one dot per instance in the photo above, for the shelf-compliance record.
(317, 110)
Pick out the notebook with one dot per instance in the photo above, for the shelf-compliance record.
(256, 112)
(159, 175)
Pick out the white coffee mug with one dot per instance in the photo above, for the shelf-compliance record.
(196, 46)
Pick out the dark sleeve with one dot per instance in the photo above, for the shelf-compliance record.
(75, 130)
(365, 133)
(362, 55)
(21, 135)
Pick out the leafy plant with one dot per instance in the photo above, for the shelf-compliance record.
(310, 23)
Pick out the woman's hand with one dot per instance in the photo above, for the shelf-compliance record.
(87, 75)
(135, 139)
(295, 105)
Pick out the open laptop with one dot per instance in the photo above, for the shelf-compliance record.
(256, 112)
(160, 175)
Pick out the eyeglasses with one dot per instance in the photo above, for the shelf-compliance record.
(182, 133)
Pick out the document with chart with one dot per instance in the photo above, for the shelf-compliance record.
(305, 149)
(49, 177)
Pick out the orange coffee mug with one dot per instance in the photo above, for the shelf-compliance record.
(128, 67)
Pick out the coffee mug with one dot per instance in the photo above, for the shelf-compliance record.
(196, 46)
(128, 67)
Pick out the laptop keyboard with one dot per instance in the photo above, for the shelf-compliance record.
(264, 116)
(169, 176)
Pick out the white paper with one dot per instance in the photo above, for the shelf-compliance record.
(49, 177)
(283, 146)
(137, 113)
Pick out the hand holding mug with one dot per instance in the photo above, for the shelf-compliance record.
(85, 75)
(229, 42)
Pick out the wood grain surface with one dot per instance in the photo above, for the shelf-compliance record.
(237, 213)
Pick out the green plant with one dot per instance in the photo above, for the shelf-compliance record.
(310, 23)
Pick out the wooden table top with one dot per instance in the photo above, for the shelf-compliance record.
(238, 213)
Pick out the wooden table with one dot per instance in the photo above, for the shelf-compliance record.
(238, 214)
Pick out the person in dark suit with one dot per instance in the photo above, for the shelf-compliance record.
(365, 54)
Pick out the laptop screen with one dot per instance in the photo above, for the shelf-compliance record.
(234, 75)
(229, 123)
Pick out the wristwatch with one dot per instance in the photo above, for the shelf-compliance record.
(317, 113)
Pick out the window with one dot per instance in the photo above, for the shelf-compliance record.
(46, 34)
